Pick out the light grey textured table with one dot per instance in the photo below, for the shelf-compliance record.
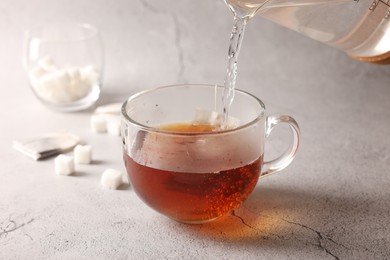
(333, 202)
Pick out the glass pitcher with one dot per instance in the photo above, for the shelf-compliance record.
(361, 28)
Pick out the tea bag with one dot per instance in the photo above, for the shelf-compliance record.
(47, 145)
(106, 119)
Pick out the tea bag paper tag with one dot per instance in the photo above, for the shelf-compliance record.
(47, 145)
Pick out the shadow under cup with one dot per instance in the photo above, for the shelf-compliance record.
(201, 173)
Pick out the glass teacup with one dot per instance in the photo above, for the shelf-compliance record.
(186, 161)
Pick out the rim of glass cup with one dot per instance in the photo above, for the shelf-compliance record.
(36, 32)
(143, 127)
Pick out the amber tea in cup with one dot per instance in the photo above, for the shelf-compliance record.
(181, 160)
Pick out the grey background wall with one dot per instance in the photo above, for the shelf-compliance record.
(332, 203)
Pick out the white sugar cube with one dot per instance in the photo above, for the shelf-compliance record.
(54, 86)
(98, 124)
(111, 179)
(74, 73)
(82, 154)
(47, 64)
(64, 164)
(90, 73)
(79, 87)
(113, 125)
(36, 73)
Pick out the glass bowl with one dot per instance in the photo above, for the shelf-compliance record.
(64, 64)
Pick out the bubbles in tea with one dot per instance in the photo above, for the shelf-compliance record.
(184, 192)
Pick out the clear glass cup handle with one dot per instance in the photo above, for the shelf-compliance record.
(287, 157)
